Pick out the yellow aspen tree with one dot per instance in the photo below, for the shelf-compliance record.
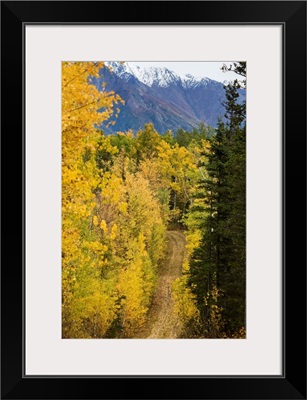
(136, 281)
(83, 108)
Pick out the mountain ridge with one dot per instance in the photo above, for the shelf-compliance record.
(162, 97)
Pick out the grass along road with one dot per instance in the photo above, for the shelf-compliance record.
(162, 323)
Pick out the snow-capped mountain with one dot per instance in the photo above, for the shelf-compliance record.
(162, 77)
(189, 81)
(162, 97)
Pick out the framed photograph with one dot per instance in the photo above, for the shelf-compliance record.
(158, 151)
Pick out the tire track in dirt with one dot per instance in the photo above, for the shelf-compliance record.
(162, 323)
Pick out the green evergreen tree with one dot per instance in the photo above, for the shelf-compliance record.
(234, 303)
(220, 262)
(209, 262)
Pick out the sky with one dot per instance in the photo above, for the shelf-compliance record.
(197, 68)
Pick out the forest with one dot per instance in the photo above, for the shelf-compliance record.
(153, 225)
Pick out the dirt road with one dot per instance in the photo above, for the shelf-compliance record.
(162, 323)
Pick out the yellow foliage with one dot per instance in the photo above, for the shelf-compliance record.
(80, 104)
(103, 226)
(113, 233)
(184, 299)
(193, 240)
(84, 295)
(184, 304)
(135, 286)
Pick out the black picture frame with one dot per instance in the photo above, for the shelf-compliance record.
(292, 16)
